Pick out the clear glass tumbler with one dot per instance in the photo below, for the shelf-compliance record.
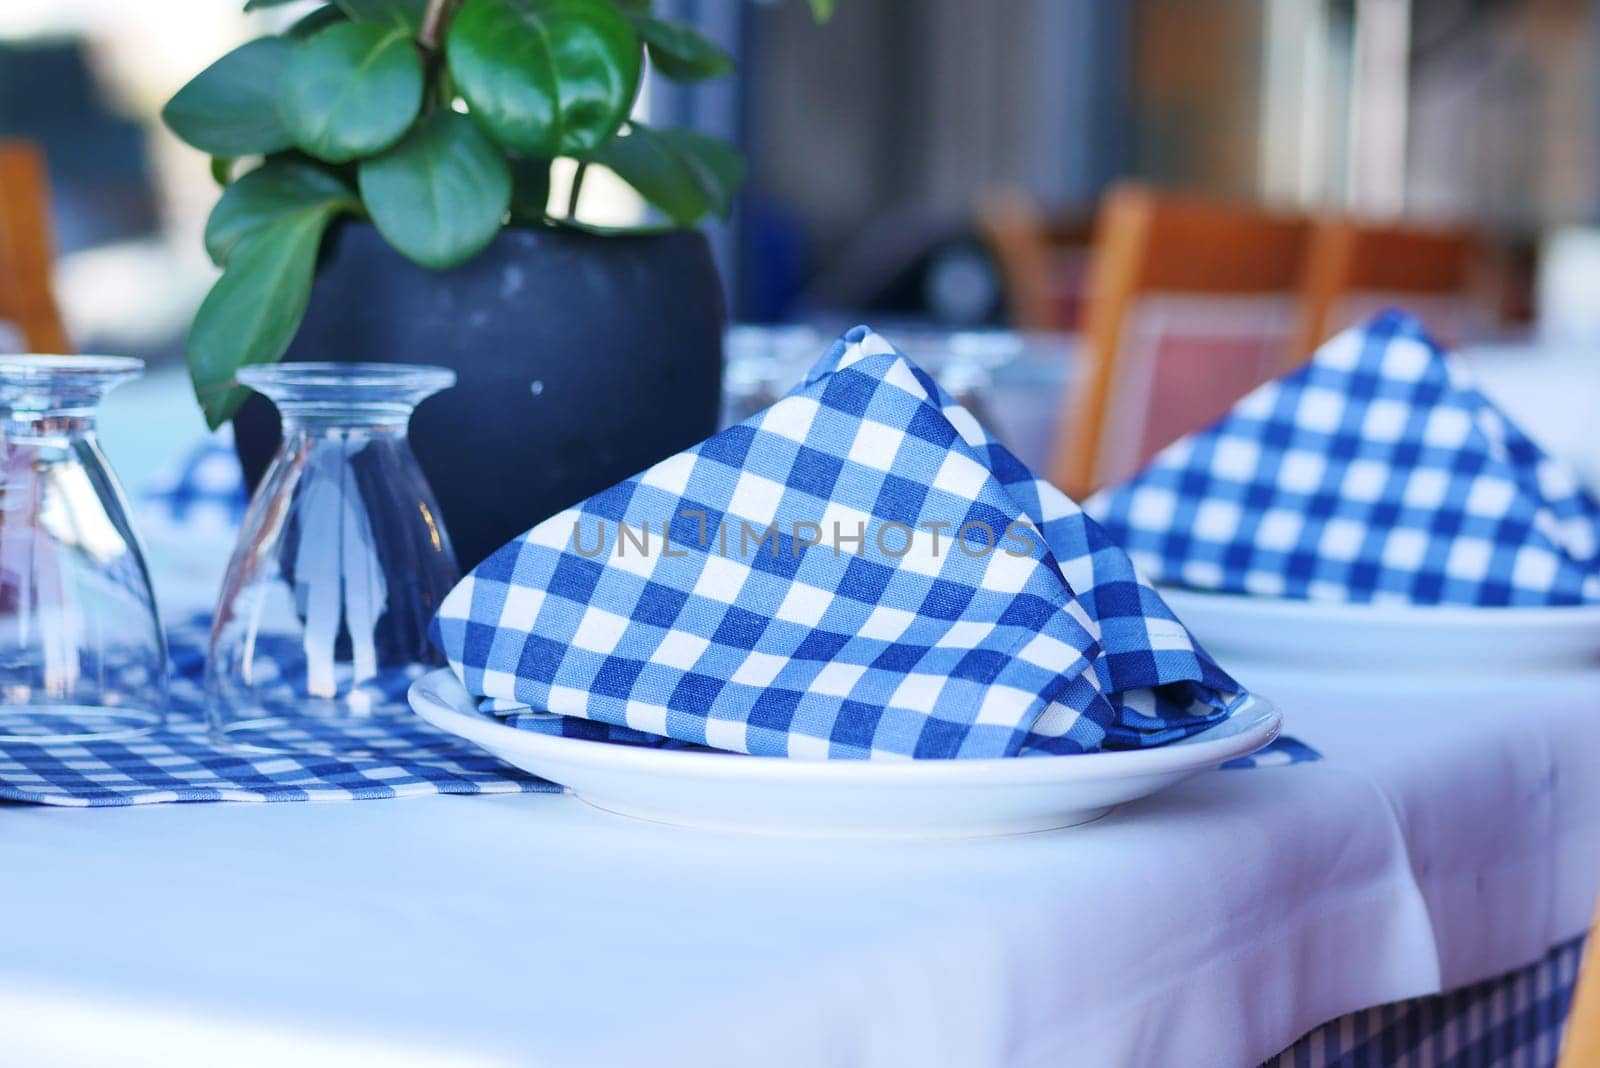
(340, 566)
(82, 653)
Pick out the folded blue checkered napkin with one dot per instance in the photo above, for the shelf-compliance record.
(180, 763)
(860, 571)
(1374, 473)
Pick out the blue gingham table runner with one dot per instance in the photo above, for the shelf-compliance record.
(780, 589)
(1376, 472)
(201, 500)
(180, 764)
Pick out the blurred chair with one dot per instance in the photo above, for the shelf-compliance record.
(1191, 304)
(26, 300)
(1580, 1046)
(1354, 270)
(1043, 261)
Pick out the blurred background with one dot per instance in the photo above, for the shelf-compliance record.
(941, 168)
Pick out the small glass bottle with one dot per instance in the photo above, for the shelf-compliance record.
(340, 566)
(82, 654)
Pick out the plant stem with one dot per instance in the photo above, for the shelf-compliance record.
(577, 188)
(432, 24)
(440, 90)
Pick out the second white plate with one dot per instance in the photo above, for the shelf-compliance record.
(1324, 635)
(857, 798)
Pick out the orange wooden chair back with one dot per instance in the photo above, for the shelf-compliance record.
(1014, 231)
(26, 299)
(1226, 259)
(1040, 259)
(1353, 269)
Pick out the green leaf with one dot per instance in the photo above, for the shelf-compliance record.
(440, 195)
(326, 15)
(685, 174)
(230, 108)
(530, 189)
(273, 193)
(680, 53)
(661, 177)
(221, 170)
(253, 311)
(719, 167)
(350, 90)
(822, 10)
(403, 13)
(545, 77)
(257, 5)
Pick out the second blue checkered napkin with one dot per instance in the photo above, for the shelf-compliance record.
(1374, 473)
(858, 572)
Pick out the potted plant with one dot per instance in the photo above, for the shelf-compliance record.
(386, 183)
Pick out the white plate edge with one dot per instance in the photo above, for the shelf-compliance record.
(1365, 614)
(1196, 752)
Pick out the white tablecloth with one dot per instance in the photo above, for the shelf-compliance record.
(1446, 837)
(1449, 836)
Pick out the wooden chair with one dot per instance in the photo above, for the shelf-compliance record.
(26, 299)
(1580, 1046)
(1354, 269)
(1234, 269)
(1041, 259)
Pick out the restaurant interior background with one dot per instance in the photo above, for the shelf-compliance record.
(875, 139)
(943, 170)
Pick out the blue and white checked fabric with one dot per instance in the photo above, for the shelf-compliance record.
(1374, 473)
(202, 496)
(860, 571)
(1511, 1021)
(180, 764)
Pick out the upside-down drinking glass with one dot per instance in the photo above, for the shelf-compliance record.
(342, 561)
(82, 654)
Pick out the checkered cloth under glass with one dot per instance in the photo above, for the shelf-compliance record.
(796, 599)
(1374, 473)
(180, 763)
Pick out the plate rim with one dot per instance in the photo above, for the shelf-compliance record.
(1258, 721)
(1367, 613)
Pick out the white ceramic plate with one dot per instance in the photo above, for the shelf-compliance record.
(903, 799)
(1279, 632)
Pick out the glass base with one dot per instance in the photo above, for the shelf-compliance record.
(74, 724)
